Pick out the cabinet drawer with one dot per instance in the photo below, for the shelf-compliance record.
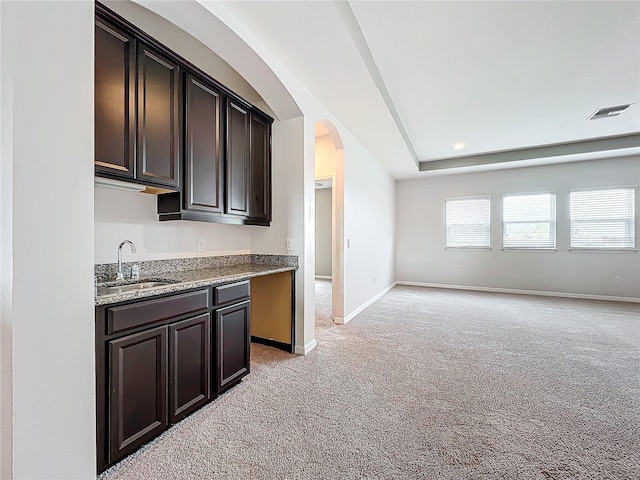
(230, 293)
(137, 314)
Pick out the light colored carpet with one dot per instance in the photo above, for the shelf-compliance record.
(431, 384)
(323, 305)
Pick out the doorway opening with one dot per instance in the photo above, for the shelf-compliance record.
(329, 226)
(324, 255)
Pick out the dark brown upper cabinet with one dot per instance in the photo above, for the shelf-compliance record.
(115, 74)
(260, 168)
(248, 157)
(203, 180)
(137, 107)
(238, 160)
(164, 123)
(158, 133)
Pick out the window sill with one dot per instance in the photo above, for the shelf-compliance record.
(603, 250)
(529, 250)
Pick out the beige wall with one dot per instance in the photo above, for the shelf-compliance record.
(325, 157)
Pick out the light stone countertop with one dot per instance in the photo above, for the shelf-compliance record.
(189, 279)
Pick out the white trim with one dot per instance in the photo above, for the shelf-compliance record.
(528, 249)
(616, 187)
(602, 250)
(300, 350)
(610, 298)
(359, 310)
(324, 277)
(468, 197)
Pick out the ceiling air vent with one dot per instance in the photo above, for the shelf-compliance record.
(609, 111)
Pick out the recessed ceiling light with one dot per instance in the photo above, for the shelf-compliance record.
(609, 112)
(459, 146)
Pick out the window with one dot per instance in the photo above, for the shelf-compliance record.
(529, 221)
(603, 219)
(468, 222)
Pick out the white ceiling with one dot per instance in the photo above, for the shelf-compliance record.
(411, 79)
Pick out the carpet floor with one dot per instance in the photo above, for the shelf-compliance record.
(323, 305)
(429, 384)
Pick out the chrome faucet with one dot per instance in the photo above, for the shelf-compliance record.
(119, 275)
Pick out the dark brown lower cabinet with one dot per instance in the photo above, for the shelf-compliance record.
(189, 366)
(233, 341)
(160, 359)
(138, 390)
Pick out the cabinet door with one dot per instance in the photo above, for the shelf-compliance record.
(233, 339)
(189, 366)
(158, 151)
(203, 165)
(114, 129)
(138, 390)
(260, 169)
(238, 162)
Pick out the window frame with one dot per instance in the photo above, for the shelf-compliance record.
(632, 220)
(446, 225)
(553, 224)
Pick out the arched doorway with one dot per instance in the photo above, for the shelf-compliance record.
(329, 231)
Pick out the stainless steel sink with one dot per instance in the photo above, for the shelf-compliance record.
(131, 287)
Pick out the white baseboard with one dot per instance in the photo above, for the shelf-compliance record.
(358, 310)
(300, 350)
(523, 292)
(324, 277)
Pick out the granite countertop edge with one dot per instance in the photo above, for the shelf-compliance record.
(178, 286)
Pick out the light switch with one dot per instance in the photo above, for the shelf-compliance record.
(289, 244)
(202, 246)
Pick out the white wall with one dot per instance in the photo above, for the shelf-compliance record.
(371, 193)
(421, 256)
(51, 148)
(287, 204)
(323, 232)
(369, 227)
(121, 215)
(6, 249)
(288, 208)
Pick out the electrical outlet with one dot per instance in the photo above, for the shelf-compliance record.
(617, 279)
(289, 244)
(202, 246)
(462, 273)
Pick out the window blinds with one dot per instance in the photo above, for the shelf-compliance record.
(603, 219)
(529, 221)
(468, 222)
